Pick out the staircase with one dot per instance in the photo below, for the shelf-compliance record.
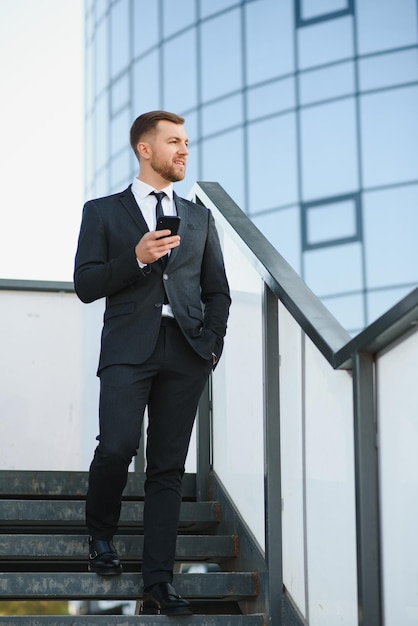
(43, 548)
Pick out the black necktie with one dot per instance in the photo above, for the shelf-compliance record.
(160, 213)
(159, 208)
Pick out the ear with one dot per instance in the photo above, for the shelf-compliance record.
(143, 150)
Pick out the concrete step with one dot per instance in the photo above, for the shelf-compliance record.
(72, 485)
(194, 516)
(228, 586)
(131, 620)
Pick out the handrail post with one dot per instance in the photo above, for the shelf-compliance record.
(204, 442)
(367, 492)
(272, 481)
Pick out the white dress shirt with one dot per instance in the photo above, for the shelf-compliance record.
(147, 204)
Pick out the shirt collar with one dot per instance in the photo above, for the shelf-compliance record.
(142, 190)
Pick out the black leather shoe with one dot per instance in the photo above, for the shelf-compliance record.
(103, 558)
(163, 599)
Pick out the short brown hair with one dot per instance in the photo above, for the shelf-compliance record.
(147, 122)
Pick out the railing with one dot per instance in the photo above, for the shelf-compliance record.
(314, 437)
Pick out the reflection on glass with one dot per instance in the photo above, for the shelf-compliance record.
(145, 84)
(271, 98)
(330, 82)
(325, 42)
(386, 24)
(220, 38)
(328, 222)
(388, 69)
(120, 93)
(389, 124)
(329, 149)
(335, 269)
(222, 114)
(119, 46)
(180, 87)
(145, 26)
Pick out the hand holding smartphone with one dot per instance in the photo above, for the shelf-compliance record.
(170, 222)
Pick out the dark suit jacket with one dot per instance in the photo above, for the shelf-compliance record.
(194, 279)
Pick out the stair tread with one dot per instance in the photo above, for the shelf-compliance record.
(69, 484)
(256, 619)
(53, 512)
(53, 586)
(74, 547)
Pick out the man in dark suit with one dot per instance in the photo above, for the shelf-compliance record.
(167, 304)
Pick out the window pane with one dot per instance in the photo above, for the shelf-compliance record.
(119, 37)
(313, 8)
(180, 87)
(222, 115)
(333, 270)
(271, 98)
(330, 82)
(388, 24)
(379, 302)
(390, 236)
(120, 93)
(272, 163)
(329, 222)
(282, 229)
(325, 42)
(348, 310)
(119, 131)
(209, 7)
(145, 23)
(389, 124)
(269, 39)
(175, 19)
(101, 132)
(146, 87)
(329, 149)
(221, 38)
(100, 67)
(388, 69)
(223, 161)
(120, 175)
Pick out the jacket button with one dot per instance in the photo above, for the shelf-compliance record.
(165, 276)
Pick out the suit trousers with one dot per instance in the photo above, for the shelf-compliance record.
(169, 384)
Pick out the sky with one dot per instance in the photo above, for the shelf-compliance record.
(41, 137)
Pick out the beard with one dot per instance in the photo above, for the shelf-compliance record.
(167, 170)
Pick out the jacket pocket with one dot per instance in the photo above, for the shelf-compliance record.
(122, 308)
(195, 312)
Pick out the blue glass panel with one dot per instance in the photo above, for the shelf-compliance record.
(174, 18)
(209, 7)
(328, 222)
(221, 115)
(389, 123)
(330, 82)
(120, 93)
(313, 8)
(223, 161)
(271, 98)
(269, 39)
(221, 65)
(145, 26)
(388, 69)
(119, 131)
(348, 310)
(101, 132)
(101, 8)
(180, 86)
(282, 229)
(390, 235)
(325, 42)
(119, 37)
(120, 175)
(100, 57)
(145, 84)
(329, 149)
(379, 302)
(272, 163)
(333, 270)
(386, 24)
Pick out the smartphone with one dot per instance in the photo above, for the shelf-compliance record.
(172, 222)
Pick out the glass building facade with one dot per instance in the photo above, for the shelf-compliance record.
(306, 112)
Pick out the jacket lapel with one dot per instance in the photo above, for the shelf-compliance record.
(128, 200)
(183, 213)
